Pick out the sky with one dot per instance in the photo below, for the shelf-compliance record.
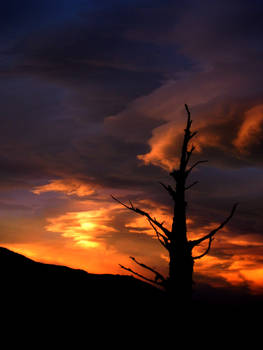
(92, 98)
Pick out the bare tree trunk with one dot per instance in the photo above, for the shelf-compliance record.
(181, 260)
(180, 279)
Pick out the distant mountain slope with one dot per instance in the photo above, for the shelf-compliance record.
(34, 294)
(28, 284)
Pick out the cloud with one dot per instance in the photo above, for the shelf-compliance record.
(165, 148)
(221, 87)
(68, 186)
(82, 227)
(230, 138)
(238, 261)
(250, 132)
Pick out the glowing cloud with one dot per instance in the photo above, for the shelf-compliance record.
(67, 186)
(160, 142)
(166, 143)
(83, 227)
(251, 129)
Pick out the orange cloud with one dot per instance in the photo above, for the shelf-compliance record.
(233, 258)
(250, 130)
(67, 186)
(166, 144)
(162, 138)
(82, 239)
(83, 227)
(237, 259)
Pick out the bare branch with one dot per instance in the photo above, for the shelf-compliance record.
(194, 183)
(189, 123)
(126, 206)
(188, 113)
(194, 165)
(206, 251)
(131, 204)
(165, 243)
(213, 232)
(144, 213)
(158, 275)
(189, 153)
(139, 275)
(169, 189)
(193, 135)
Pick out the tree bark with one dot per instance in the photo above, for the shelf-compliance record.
(180, 274)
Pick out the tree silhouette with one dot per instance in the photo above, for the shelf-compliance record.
(179, 282)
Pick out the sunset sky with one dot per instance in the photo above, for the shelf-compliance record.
(92, 96)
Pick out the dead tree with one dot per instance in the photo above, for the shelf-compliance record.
(179, 282)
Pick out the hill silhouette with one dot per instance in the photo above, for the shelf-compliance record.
(28, 284)
(36, 291)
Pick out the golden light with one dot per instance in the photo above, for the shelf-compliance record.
(82, 227)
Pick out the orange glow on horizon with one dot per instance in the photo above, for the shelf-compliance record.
(236, 271)
(100, 260)
(83, 237)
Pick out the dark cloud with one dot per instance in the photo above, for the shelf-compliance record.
(93, 54)
(94, 62)
(221, 31)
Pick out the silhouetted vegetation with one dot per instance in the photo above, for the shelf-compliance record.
(178, 284)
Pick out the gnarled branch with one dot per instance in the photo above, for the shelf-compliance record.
(186, 154)
(144, 213)
(159, 279)
(158, 276)
(169, 189)
(189, 153)
(162, 239)
(194, 183)
(139, 275)
(194, 165)
(213, 232)
(206, 251)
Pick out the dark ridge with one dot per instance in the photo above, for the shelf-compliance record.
(33, 293)
(26, 284)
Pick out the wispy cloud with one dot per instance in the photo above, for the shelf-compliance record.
(66, 186)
